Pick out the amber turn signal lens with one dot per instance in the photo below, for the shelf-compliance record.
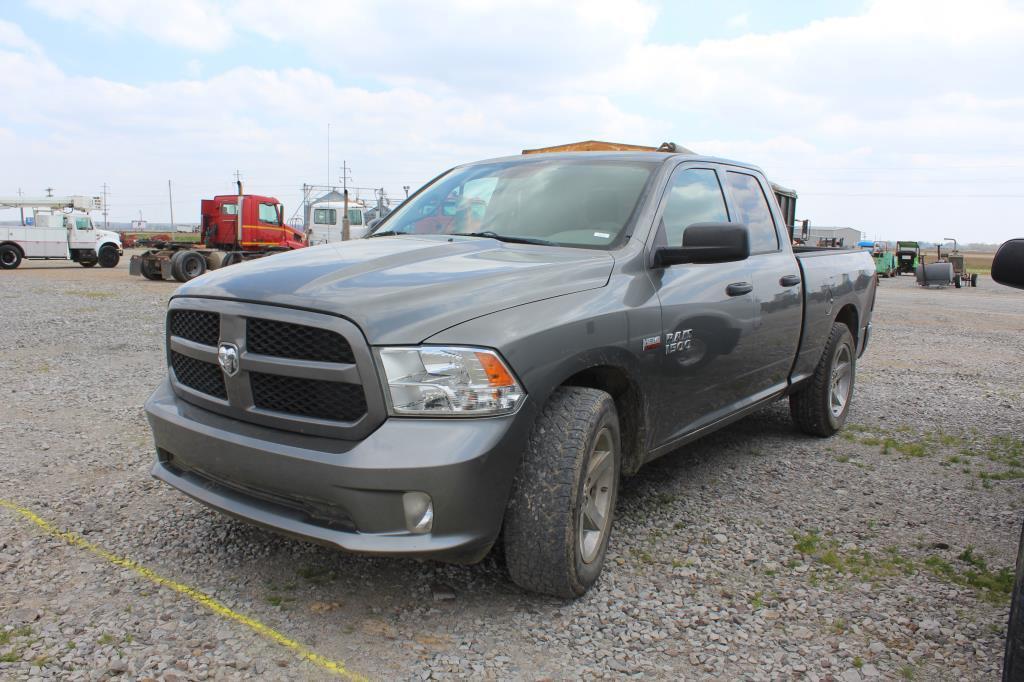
(497, 375)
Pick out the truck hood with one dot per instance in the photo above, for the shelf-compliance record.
(404, 289)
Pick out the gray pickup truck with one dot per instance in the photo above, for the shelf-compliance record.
(499, 352)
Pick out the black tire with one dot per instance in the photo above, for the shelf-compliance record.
(10, 257)
(1013, 660)
(87, 263)
(956, 282)
(813, 406)
(974, 279)
(187, 265)
(150, 269)
(109, 257)
(545, 549)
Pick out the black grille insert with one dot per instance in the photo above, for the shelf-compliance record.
(297, 341)
(204, 377)
(308, 397)
(195, 325)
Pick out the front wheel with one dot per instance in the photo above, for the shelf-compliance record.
(109, 257)
(87, 263)
(821, 406)
(559, 516)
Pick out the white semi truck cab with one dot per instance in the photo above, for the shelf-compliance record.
(61, 230)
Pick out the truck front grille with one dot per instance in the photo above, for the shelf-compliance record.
(200, 376)
(196, 325)
(297, 341)
(308, 397)
(297, 370)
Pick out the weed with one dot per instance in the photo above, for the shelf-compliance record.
(275, 600)
(858, 662)
(994, 587)
(757, 601)
(40, 660)
(10, 657)
(907, 672)
(843, 458)
(839, 626)
(105, 639)
(806, 544)
(318, 575)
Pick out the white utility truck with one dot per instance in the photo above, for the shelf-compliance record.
(325, 225)
(61, 230)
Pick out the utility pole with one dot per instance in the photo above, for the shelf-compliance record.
(406, 188)
(346, 226)
(22, 209)
(170, 201)
(238, 218)
(328, 157)
(106, 223)
(49, 191)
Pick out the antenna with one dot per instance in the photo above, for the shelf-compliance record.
(328, 155)
(170, 202)
(106, 223)
(22, 209)
(238, 180)
(49, 191)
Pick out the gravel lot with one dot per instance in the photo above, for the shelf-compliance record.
(756, 553)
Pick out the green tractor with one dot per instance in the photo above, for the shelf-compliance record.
(908, 256)
(885, 260)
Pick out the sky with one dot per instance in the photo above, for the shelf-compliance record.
(901, 118)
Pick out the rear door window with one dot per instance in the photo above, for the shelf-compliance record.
(694, 196)
(752, 209)
(325, 216)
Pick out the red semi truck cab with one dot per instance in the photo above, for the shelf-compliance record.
(263, 224)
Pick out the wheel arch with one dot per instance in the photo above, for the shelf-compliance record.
(850, 316)
(621, 384)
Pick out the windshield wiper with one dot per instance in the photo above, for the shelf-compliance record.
(512, 239)
(385, 233)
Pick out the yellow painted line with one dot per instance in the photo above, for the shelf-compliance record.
(75, 540)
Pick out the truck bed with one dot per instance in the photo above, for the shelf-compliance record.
(836, 281)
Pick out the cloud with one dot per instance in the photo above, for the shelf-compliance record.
(739, 21)
(839, 106)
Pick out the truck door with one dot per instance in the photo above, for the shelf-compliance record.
(707, 314)
(80, 234)
(776, 278)
(268, 230)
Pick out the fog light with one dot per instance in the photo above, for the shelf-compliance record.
(419, 512)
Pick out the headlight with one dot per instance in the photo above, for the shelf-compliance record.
(449, 381)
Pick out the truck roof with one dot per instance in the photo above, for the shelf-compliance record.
(652, 156)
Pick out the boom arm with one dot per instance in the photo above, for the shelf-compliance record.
(76, 203)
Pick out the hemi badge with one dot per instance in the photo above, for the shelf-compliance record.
(652, 342)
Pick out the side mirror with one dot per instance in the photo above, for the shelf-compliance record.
(1008, 264)
(707, 243)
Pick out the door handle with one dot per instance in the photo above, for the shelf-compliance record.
(739, 288)
(790, 280)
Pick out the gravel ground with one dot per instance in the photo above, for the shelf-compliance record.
(756, 553)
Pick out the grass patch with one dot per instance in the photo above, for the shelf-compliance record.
(994, 587)
(105, 639)
(10, 657)
(7, 635)
(807, 543)
(318, 575)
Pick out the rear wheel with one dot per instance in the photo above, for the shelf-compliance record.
(87, 263)
(109, 257)
(974, 279)
(10, 257)
(821, 406)
(560, 513)
(187, 265)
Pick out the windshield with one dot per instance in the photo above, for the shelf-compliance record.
(567, 202)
